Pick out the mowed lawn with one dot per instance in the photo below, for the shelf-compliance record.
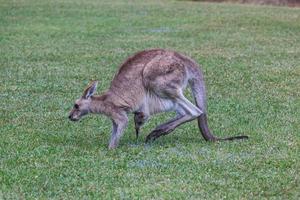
(50, 51)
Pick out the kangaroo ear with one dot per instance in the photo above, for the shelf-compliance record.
(90, 90)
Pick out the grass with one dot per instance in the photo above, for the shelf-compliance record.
(50, 50)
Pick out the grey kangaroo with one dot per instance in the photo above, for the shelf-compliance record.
(150, 82)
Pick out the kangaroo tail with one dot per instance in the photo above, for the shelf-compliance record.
(198, 90)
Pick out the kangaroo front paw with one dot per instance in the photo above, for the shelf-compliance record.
(113, 144)
(137, 132)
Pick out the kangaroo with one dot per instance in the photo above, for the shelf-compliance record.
(147, 83)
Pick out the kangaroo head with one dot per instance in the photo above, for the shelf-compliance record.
(83, 104)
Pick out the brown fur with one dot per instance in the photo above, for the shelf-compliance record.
(149, 82)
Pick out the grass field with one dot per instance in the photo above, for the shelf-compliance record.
(50, 50)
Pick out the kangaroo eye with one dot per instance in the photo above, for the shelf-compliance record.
(76, 106)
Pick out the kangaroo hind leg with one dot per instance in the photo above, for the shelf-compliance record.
(188, 113)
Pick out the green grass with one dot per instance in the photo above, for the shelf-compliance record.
(50, 50)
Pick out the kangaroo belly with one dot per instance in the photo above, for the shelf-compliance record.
(157, 105)
(153, 104)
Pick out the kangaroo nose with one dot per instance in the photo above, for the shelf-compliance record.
(69, 117)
